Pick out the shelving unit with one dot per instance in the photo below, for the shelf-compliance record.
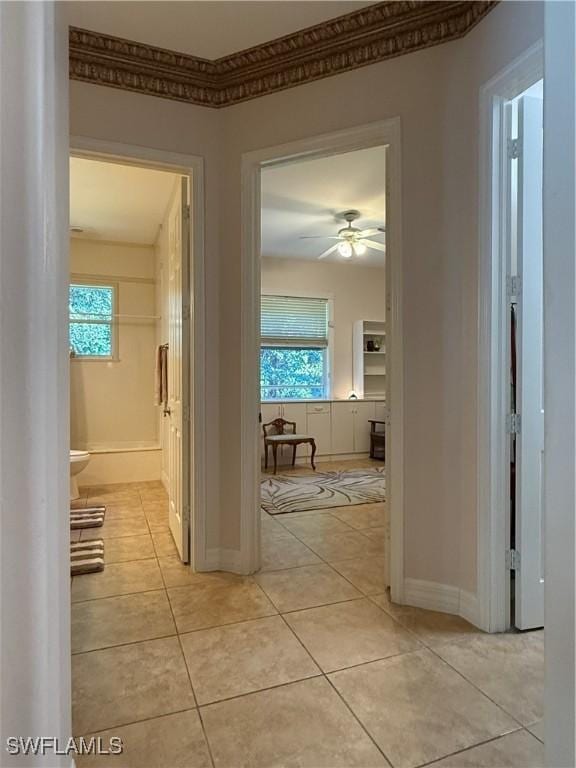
(369, 365)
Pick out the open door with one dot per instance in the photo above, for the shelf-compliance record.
(529, 427)
(178, 411)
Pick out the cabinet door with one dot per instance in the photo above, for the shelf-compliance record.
(380, 410)
(320, 427)
(363, 412)
(343, 427)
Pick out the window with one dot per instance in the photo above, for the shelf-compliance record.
(91, 309)
(294, 348)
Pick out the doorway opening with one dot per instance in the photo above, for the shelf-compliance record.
(511, 416)
(323, 368)
(300, 367)
(129, 349)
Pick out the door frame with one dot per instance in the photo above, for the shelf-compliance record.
(493, 491)
(193, 167)
(387, 133)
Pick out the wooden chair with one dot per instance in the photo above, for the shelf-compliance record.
(275, 435)
(377, 440)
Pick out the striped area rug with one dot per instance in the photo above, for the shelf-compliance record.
(87, 517)
(301, 493)
(86, 556)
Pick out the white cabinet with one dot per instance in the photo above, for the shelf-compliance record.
(319, 420)
(290, 412)
(343, 427)
(362, 412)
(350, 427)
(380, 410)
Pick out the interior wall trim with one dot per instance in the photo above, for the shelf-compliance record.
(372, 34)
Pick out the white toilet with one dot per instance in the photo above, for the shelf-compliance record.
(78, 461)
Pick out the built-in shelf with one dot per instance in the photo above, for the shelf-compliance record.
(369, 370)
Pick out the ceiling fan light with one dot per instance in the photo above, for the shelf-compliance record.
(360, 249)
(345, 249)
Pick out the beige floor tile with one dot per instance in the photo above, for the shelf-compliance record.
(285, 552)
(305, 587)
(378, 536)
(172, 741)
(418, 709)
(362, 516)
(201, 606)
(342, 546)
(129, 525)
(118, 579)
(157, 520)
(515, 750)
(272, 529)
(164, 544)
(118, 498)
(508, 667)
(119, 511)
(303, 724)
(177, 574)
(127, 548)
(432, 627)
(118, 620)
(537, 729)
(121, 685)
(242, 658)
(368, 574)
(317, 525)
(354, 632)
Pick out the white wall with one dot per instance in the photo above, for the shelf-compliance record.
(435, 92)
(112, 402)
(357, 293)
(559, 385)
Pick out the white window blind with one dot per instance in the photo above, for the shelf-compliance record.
(292, 320)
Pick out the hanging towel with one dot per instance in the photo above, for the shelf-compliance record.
(161, 376)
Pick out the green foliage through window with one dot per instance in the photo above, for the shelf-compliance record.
(292, 373)
(91, 309)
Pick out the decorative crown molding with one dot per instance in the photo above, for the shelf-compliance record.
(363, 37)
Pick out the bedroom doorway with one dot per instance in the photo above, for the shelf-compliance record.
(276, 298)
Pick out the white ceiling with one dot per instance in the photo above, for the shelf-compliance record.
(304, 198)
(118, 202)
(205, 28)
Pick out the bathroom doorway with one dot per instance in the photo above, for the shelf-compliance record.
(131, 348)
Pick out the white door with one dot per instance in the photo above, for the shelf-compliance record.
(178, 412)
(529, 576)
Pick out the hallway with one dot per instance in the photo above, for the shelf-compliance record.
(307, 663)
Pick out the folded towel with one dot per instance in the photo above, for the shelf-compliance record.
(86, 557)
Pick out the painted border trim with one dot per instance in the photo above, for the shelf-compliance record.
(383, 133)
(375, 33)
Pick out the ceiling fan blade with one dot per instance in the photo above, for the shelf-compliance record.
(328, 251)
(319, 237)
(373, 231)
(375, 245)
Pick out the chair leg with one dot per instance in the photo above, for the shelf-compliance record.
(275, 455)
(313, 444)
(266, 455)
(293, 455)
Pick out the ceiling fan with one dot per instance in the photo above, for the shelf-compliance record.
(351, 240)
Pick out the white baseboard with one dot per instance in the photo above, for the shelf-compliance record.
(443, 598)
(470, 608)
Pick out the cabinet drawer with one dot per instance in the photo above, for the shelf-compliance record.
(318, 407)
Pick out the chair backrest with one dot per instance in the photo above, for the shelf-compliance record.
(278, 427)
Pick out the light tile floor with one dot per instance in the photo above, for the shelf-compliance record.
(306, 664)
